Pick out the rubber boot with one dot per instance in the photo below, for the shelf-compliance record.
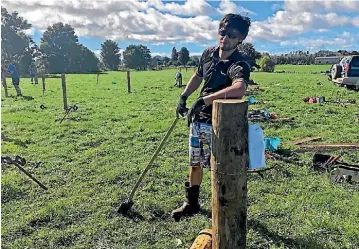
(191, 205)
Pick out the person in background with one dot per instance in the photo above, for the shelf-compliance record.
(33, 73)
(178, 78)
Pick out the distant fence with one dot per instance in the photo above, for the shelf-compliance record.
(295, 72)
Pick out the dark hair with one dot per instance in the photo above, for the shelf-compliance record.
(238, 22)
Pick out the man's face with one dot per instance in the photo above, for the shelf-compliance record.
(228, 38)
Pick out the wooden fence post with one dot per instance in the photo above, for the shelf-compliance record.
(64, 90)
(128, 82)
(43, 82)
(3, 81)
(97, 78)
(229, 163)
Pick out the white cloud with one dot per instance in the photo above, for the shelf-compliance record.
(356, 21)
(227, 6)
(125, 20)
(322, 6)
(285, 24)
(30, 31)
(349, 41)
(276, 7)
(97, 52)
(160, 22)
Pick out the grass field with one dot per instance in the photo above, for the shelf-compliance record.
(91, 161)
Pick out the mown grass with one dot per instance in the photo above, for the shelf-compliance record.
(91, 161)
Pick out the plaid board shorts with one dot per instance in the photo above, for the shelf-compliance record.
(200, 139)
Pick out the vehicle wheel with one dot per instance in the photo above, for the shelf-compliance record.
(336, 71)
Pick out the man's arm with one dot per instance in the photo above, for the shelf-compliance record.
(239, 73)
(236, 91)
(192, 85)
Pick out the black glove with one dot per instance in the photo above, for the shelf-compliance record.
(195, 110)
(181, 107)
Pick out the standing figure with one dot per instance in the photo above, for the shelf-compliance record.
(33, 73)
(226, 75)
(178, 79)
(15, 79)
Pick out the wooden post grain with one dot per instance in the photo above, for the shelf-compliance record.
(128, 82)
(63, 80)
(229, 163)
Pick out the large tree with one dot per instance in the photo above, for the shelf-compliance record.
(83, 60)
(110, 54)
(174, 55)
(183, 56)
(15, 44)
(64, 53)
(59, 42)
(250, 54)
(137, 57)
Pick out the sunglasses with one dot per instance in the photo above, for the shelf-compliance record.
(230, 34)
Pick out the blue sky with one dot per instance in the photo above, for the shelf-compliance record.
(277, 26)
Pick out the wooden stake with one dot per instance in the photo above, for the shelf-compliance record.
(64, 90)
(304, 140)
(128, 82)
(43, 82)
(229, 163)
(5, 87)
(97, 78)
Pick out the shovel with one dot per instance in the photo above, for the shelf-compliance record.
(125, 206)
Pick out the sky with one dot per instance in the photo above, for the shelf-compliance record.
(276, 26)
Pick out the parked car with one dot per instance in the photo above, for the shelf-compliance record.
(346, 72)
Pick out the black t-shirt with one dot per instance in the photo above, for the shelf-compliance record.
(219, 74)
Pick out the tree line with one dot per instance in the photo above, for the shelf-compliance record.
(59, 51)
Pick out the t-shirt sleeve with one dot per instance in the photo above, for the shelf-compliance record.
(199, 71)
(239, 70)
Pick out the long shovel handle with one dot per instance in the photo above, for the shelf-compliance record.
(29, 175)
(152, 159)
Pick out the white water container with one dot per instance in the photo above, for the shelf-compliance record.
(256, 147)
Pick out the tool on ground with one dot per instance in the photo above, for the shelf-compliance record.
(42, 106)
(338, 171)
(18, 162)
(69, 109)
(125, 206)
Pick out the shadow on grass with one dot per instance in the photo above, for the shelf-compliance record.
(15, 141)
(28, 98)
(277, 239)
(132, 214)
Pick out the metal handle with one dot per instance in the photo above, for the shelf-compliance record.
(153, 158)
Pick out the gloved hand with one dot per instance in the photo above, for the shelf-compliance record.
(181, 107)
(195, 110)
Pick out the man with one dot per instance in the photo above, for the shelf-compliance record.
(225, 75)
(15, 78)
(33, 73)
(178, 78)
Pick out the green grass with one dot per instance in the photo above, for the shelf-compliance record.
(92, 160)
(302, 68)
